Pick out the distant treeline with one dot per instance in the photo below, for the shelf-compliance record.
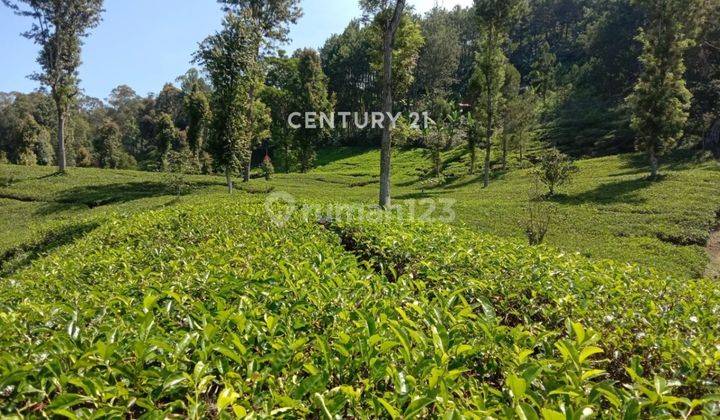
(580, 59)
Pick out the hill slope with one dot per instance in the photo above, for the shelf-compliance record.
(610, 211)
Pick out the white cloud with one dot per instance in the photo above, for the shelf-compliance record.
(423, 6)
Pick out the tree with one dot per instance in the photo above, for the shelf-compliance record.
(347, 60)
(32, 147)
(192, 79)
(555, 170)
(434, 139)
(170, 101)
(472, 132)
(229, 57)
(704, 76)
(497, 18)
(312, 97)
(108, 145)
(544, 70)
(270, 19)
(440, 55)
(406, 51)
(59, 27)
(660, 102)
(197, 109)
(511, 93)
(279, 93)
(521, 118)
(392, 11)
(125, 107)
(166, 136)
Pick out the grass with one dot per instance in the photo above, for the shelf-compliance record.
(610, 211)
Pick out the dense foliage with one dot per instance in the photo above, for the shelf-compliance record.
(577, 62)
(213, 310)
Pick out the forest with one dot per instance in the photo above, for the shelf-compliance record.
(566, 72)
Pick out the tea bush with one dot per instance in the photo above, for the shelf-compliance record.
(215, 311)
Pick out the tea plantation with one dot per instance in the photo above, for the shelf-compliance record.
(214, 310)
(609, 211)
(119, 298)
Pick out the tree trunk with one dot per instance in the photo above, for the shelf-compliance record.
(473, 158)
(522, 152)
(61, 161)
(490, 110)
(386, 144)
(246, 170)
(486, 168)
(653, 164)
(228, 178)
(504, 151)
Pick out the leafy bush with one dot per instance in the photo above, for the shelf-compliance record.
(267, 168)
(213, 311)
(539, 215)
(555, 170)
(178, 165)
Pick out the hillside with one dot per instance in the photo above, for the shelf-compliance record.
(204, 309)
(610, 211)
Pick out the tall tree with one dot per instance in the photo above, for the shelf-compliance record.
(347, 60)
(125, 107)
(440, 55)
(197, 110)
(312, 97)
(108, 145)
(660, 102)
(271, 20)
(392, 11)
(229, 57)
(166, 135)
(409, 41)
(59, 27)
(496, 18)
(279, 93)
(544, 70)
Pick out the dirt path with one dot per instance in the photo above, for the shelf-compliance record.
(713, 250)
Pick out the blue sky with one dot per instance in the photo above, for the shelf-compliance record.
(146, 43)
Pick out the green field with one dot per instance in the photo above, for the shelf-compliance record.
(610, 211)
(119, 298)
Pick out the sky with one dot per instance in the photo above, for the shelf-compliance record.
(147, 43)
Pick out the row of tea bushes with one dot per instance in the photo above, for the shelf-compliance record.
(216, 311)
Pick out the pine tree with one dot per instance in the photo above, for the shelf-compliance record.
(660, 101)
(497, 18)
(312, 97)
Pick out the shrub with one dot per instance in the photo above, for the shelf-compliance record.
(538, 217)
(27, 158)
(555, 170)
(6, 178)
(267, 168)
(178, 164)
(83, 158)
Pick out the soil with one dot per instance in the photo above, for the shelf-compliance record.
(713, 250)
